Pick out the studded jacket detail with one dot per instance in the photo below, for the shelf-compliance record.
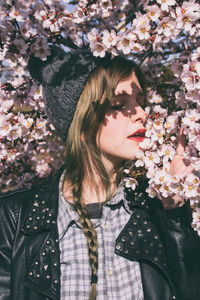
(163, 242)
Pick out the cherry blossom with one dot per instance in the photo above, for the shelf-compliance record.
(164, 4)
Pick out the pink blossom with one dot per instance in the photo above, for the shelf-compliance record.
(79, 15)
(190, 184)
(6, 105)
(130, 183)
(98, 49)
(141, 26)
(125, 43)
(166, 151)
(153, 97)
(17, 14)
(109, 38)
(166, 3)
(171, 124)
(151, 158)
(153, 12)
(166, 27)
(42, 168)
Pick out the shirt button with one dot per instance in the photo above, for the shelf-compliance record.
(106, 226)
(109, 272)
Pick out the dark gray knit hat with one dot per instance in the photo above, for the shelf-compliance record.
(63, 77)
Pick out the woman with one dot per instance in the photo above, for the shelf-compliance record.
(82, 234)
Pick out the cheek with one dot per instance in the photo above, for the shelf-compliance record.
(111, 125)
(112, 129)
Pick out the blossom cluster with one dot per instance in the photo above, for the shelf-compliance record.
(159, 146)
(162, 36)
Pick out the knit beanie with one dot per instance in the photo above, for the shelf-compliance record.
(63, 77)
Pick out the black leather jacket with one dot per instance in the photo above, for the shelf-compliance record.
(162, 241)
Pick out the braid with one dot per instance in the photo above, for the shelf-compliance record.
(91, 237)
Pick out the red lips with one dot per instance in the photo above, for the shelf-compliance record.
(137, 136)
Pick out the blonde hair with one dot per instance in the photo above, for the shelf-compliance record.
(82, 155)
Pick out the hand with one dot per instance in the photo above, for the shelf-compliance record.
(178, 167)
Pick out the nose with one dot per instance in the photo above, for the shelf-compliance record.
(139, 115)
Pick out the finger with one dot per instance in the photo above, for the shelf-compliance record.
(181, 142)
(189, 170)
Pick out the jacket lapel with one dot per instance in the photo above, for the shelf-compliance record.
(140, 239)
(42, 246)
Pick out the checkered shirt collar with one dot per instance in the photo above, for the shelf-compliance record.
(67, 214)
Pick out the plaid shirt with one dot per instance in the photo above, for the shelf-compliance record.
(118, 278)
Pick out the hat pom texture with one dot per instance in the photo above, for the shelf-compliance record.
(63, 77)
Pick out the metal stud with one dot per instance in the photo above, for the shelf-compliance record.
(56, 281)
(132, 243)
(38, 218)
(48, 221)
(53, 251)
(156, 258)
(33, 210)
(38, 275)
(30, 218)
(35, 227)
(47, 277)
(155, 237)
(130, 231)
(55, 264)
(119, 246)
(145, 222)
(50, 215)
(148, 229)
(27, 226)
(139, 230)
(138, 216)
(43, 202)
(36, 262)
(53, 222)
(31, 273)
(43, 253)
(134, 223)
(48, 242)
(123, 239)
(36, 196)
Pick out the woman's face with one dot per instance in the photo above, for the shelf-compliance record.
(122, 130)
